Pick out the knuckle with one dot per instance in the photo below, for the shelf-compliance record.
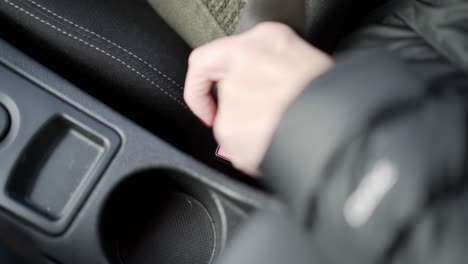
(187, 97)
(279, 36)
(193, 56)
(273, 28)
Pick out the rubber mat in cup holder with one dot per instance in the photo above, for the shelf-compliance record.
(152, 219)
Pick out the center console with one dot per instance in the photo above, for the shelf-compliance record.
(82, 184)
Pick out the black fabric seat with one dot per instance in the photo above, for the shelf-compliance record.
(122, 41)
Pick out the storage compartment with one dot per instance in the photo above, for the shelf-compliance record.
(53, 167)
(162, 217)
(53, 154)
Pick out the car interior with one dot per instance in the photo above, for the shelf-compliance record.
(101, 160)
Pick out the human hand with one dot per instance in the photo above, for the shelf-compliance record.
(258, 74)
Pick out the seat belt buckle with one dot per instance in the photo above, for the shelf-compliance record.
(222, 156)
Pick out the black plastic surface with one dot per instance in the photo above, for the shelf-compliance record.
(60, 158)
(172, 221)
(79, 235)
(4, 122)
(55, 156)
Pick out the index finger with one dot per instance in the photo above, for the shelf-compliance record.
(207, 65)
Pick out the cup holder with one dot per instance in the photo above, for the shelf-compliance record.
(161, 217)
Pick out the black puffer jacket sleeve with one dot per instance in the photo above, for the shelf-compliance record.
(371, 161)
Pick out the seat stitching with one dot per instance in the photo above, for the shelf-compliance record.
(96, 48)
(106, 39)
(65, 26)
(91, 39)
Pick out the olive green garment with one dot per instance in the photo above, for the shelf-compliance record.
(200, 21)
